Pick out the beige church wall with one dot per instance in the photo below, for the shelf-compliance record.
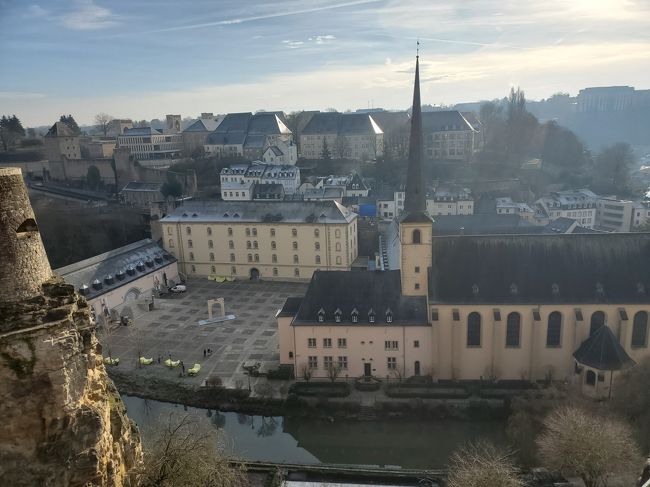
(532, 359)
(365, 344)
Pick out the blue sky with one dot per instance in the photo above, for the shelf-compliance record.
(144, 58)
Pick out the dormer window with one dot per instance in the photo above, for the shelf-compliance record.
(514, 290)
(475, 289)
(355, 316)
(371, 316)
(337, 315)
(389, 316)
(640, 288)
(321, 315)
(555, 290)
(600, 290)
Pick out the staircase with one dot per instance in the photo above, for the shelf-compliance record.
(367, 413)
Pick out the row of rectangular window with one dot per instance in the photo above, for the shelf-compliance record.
(342, 343)
(342, 362)
(253, 232)
(328, 361)
(639, 337)
(233, 270)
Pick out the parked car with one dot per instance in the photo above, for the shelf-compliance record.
(179, 288)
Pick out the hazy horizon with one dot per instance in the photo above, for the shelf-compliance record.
(150, 58)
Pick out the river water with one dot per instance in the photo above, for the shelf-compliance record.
(403, 442)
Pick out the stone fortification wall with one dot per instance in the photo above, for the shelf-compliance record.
(126, 167)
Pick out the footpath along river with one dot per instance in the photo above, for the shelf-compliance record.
(407, 443)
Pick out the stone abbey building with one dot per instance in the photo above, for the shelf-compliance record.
(255, 239)
(510, 307)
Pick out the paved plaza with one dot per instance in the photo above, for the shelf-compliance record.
(171, 329)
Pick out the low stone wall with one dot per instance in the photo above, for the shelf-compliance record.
(349, 408)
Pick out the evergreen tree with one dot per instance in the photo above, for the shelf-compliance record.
(93, 178)
(10, 130)
(70, 122)
(325, 153)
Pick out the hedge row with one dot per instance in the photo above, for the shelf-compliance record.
(283, 372)
(327, 389)
(402, 391)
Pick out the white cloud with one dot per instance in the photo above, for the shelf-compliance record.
(36, 10)
(266, 16)
(20, 95)
(292, 44)
(88, 16)
(450, 78)
(322, 39)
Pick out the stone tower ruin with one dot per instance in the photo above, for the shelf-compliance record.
(23, 265)
(62, 422)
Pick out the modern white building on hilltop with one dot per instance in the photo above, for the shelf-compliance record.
(152, 147)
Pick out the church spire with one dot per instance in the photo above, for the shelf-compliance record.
(415, 201)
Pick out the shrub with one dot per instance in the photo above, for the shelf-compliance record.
(576, 442)
(213, 381)
(408, 391)
(482, 464)
(317, 389)
(283, 372)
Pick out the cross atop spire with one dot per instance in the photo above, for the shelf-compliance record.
(415, 201)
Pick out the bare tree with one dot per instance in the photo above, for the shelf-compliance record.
(577, 442)
(333, 372)
(264, 390)
(341, 147)
(482, 464)
(102, 120)
(305, 371)
(184, 452)
(398, 373)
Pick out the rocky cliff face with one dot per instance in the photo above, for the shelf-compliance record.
(62, 421)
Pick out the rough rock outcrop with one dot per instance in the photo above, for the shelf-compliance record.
(62, 422)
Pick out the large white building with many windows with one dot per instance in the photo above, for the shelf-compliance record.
(238, 181)
(578, 204)
(281, 240)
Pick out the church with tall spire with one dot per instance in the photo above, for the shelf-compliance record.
(572, 307)
(415, 224)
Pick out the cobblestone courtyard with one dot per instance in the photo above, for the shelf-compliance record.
(171, 329)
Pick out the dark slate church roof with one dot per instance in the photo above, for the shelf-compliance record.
(364, 291)
(602, 351)
(582, 268)
(482, 224)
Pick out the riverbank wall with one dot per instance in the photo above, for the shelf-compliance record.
(358, 406)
